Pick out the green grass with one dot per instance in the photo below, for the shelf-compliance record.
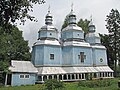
(68, 86)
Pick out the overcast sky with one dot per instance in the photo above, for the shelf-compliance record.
(60, 8)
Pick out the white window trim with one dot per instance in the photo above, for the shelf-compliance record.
(20, 76)
(24, 76)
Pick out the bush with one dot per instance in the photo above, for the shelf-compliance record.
(53, 84)
(95, 83)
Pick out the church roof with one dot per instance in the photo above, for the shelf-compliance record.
(64, 70)
(22, 66)
(95, 34)
(76, 43)
(73, 27)
(48, 27)
(47, 42)
(103, 69)
(73, 69)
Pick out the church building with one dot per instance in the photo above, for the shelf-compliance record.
(72, 57)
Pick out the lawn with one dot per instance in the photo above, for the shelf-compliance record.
(68, 86)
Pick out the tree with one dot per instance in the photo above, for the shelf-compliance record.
(84, 24)
(106, 42)
(12, 10)
(12, 47)
(65, 23)
(113, 26)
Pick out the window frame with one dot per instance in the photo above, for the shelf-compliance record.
(82, 57)
(27, 75)
(21, 75)
(24, 76)
(52, 56)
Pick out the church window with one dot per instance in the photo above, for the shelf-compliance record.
(101, 60)
(50, 33)
(78, 56)
(52, 56)
(82, 57)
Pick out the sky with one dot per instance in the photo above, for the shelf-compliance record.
(99, 9)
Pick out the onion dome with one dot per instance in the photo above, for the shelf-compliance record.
(92, 37)
(91, 26)
(72, 32)
(48, 31)
(48, 18)
(72, 17)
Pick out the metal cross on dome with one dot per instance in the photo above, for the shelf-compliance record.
(91, 18)
(72, 7)
(49, 8)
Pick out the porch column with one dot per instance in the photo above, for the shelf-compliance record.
(101, 74)
(84, 75)
(57, 77)
(42, 77)
(81, 76)
(67, 76)
(47, 77)
(97, 75)
(62, 77)
(78, 76)
(52, 76)
(74, 76)
(112, 74)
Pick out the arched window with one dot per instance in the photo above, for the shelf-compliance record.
(60, 77)
(65, 77)
(44, 78)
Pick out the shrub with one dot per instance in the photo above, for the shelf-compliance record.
(53, 84)
(95, 83)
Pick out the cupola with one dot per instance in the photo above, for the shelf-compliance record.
(91, 26)
(92, 36)
(72, 31)
(48, 31)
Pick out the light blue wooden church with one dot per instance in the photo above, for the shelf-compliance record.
(72, 57)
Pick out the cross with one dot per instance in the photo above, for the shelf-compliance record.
(49, 9)
(91, 18)
(72, 7)
(82, 57)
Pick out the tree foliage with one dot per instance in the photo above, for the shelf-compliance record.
(113, 26)
(106, 42)
(13, 46)
(12, 10)
(65, 23)
(84, 25)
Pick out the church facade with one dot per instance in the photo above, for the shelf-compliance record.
(72, 57)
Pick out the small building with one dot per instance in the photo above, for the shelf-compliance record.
(22, 73)
(72, 57)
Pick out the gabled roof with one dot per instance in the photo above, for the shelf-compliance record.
(22, 66)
